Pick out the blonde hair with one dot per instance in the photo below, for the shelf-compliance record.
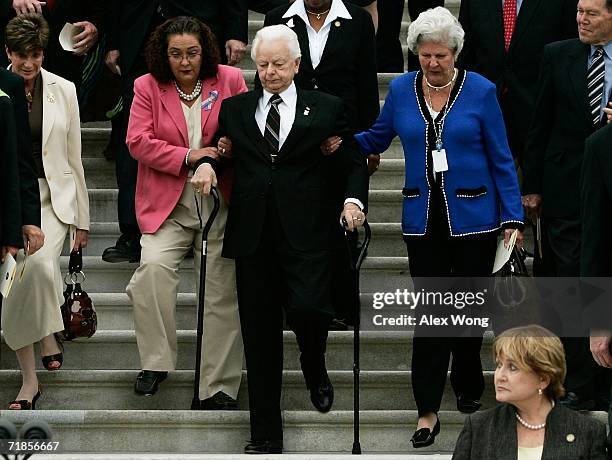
(537, 349)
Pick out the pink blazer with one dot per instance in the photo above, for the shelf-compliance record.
(158, 139)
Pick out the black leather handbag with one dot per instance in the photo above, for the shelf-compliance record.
(78, 312)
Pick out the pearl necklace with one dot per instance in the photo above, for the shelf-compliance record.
(439, 88)
(189, 97)
(529, 425)
(318, 15)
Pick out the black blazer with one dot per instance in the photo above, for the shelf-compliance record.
(515, 73)
(130, 20)
(300, 179)
(12, 85)
(561, 123)
(596, 196)
(491, 434)
(10, 201)
(348, 65)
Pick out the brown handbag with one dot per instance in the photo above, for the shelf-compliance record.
(78, 312)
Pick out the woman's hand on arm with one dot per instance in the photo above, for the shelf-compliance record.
(4, 250)
(197, 154)
(224, 147)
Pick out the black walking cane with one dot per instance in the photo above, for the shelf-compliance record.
(195, 403)
(355, 271)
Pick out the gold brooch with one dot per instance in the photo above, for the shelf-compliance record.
(51, 98)
(337, 23)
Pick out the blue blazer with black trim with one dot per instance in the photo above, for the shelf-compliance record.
(481, 190)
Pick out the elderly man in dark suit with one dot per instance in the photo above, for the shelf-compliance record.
(12, 85)
(339, 58)
(130, 24)
(511, 57)
(278, 228)
(596, 255)
(574, 86)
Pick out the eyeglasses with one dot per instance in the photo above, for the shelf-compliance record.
(190, 56)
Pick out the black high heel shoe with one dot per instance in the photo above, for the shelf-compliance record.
(58, 357)
(24, 404)
(425, 437)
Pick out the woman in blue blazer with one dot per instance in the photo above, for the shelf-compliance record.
(460, 189)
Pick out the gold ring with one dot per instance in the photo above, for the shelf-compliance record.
(222, 151)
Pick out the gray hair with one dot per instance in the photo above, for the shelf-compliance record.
(277, 32)
(436, 25)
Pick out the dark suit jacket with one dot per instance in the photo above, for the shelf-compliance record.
(298, 181)
(491, 434)
(130, 21)
(596, 195)
(348, 65)
(515, 73)
(561, 123)
(10, 200)
(12, 85)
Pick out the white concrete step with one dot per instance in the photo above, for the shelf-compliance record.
(117, 350)
(114, 389)
(226, 432)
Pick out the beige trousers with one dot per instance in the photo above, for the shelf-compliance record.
(32, 309)
(154, 287)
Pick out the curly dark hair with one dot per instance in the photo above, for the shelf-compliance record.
(27, 33)
(156, 51)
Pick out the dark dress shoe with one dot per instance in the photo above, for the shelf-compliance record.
(322, 393)
(425, 437)
(271, 446)
(126, 249)
(219, 401)
(572, 401)
(468, 405)
(147, 382)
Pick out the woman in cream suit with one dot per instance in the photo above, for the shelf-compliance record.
(31, 312)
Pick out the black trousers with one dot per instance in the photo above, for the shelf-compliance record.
(561, 258)
(437, 255)
(278, 276)
(389, 54)
(416, 7)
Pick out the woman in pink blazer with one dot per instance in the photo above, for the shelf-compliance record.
(172, 125)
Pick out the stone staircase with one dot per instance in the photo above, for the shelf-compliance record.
(94, 412)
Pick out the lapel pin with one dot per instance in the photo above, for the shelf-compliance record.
(290, 23)
(337, 23)
(306, 111)
(570, 438)
(51, 98)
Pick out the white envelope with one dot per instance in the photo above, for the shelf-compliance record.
(7, 271)
(67, 34)
(503, 253)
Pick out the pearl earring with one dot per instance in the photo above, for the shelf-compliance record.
(540, 391)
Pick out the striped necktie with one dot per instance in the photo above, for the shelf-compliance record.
(595, 84)
(271, 133)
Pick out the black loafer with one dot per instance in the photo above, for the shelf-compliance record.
(467, 405)
(322, 393)
(425, 437)
(270, 446)
(126, 249)
(147, 382)
(219, 401)
(573, 401)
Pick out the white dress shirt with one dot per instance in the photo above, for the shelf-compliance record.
(286, 109)
(318, 40)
